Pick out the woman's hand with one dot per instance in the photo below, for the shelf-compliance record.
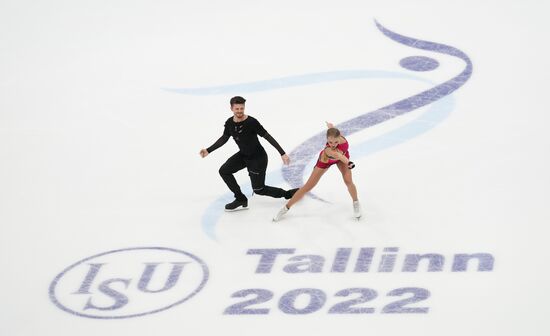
(336, 154)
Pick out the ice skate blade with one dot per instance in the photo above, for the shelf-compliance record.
(239, 208)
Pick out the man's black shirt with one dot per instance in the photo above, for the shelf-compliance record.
(245, 133)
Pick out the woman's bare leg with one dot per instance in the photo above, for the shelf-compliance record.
(346, 175)
(311, 182)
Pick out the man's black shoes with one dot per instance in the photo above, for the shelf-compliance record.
(290, 193)
(237, 205)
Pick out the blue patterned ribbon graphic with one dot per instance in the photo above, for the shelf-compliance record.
(302, 155)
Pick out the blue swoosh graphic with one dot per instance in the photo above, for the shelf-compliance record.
(288, 82)
(302, 155)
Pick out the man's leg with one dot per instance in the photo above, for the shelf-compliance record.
(230, 167)
(256, 171)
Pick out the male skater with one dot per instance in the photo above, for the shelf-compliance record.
(245, 130)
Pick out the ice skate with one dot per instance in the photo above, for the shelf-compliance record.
(356, 209)
(280, 214)
(237, 205)
(290, 193)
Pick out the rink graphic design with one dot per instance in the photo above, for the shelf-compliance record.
(111, 223)
(135, 282)
(129, 282)
(387, 261)
(82, 289)
(303, 154)
(353, 300)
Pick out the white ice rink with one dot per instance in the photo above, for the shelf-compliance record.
(112, 224)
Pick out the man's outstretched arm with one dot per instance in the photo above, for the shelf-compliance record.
(274, 143)
(260, 130)
(220, 142)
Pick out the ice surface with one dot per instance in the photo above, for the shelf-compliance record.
(111, 223)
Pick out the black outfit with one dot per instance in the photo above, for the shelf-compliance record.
(251, 155)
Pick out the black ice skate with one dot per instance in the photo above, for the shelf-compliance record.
(290, 193)
(237, 205)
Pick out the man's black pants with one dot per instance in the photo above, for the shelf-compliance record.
(256, 166)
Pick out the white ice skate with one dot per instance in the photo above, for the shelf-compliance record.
(280, 214)
(356, 209)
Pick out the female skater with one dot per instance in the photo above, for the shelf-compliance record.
(335, 152)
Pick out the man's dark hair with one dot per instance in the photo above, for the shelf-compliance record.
(237, 100)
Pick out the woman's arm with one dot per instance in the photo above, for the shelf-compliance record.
(336, 155)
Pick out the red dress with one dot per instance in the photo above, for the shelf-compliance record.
(324, 165)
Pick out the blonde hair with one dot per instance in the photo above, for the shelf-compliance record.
(333, 132)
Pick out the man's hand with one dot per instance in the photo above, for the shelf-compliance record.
(203, 153)
(329, 125)
(286, 159)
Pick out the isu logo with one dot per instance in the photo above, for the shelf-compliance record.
(128, 282)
